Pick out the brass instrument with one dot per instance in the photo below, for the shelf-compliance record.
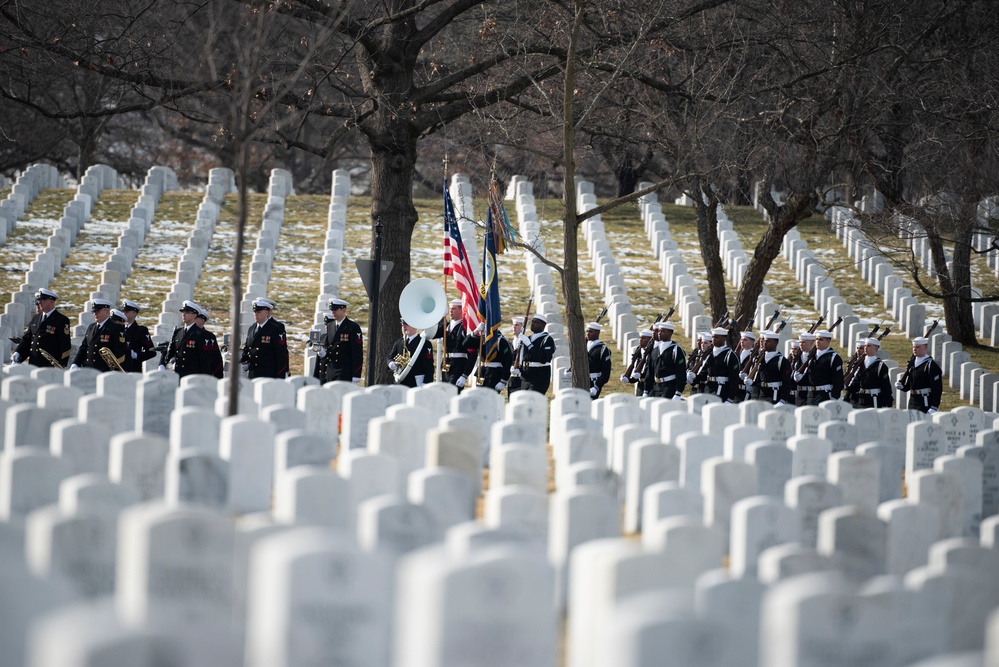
(422, 304)
(49, 358)
(109, 358)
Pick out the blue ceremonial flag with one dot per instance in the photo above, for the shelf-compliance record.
(489, 301)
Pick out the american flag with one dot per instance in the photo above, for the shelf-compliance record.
(456, 264)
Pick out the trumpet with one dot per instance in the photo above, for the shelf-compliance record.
(49, 358)
(109, 358)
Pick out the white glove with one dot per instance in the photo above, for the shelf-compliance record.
(782, 402)
(743, 376)
(161, 367)
(356, 380)
(393, 366)
(644, 394)
(931, 411)
(797, 376)
(246, 367)
(500, 386)
(691, 377)
(321, 352)
(524, 339)
(460, 382)
(898, 385)
(15, 358)
(515, 372)
(593, 392)
(636, 376)
(479, 330)
(624, 378)
(677, 397)
(73, 366)
(748, 381)
(135, 355)
(420, 379)
(567, 372)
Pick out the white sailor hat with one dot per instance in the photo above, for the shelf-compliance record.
(203, 313)
(668, 326)
(455, 303)
(862, 341)
(97, 304)
(771, 335)
(519, 319)
(824, 333)
(44, 293)
(747, 334)
(719, 331)
(190, 307)
(806, 336)
(261, 303)
(645, 333)
(704, 335)
(540, 316)
(336, 303)
(921, 341)
(795, 344)
(594, 326)
(873, 341)
(117, 314)
(130, 305)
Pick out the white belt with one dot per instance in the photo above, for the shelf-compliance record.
(594, 376)
(458, 355)
(869, 392)
(821, 387)
(494, 364)
(771, 385)
(720, 379)
(921, 392)
(538, 364)
(668, 378)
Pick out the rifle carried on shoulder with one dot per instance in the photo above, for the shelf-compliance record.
(858, 358)
(641, 354)
(812, 352)
(758, 345)
(912, 360)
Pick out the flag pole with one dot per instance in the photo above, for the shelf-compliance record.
(442, 347)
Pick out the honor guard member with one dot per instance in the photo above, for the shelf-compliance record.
(666, 371)
(747, 341)
(860, 352)
(265, 354)
(495, 373)
(460, 358)
(639, 362)
(923, 379)
(513, 384)
(341, 346)
(211, 342)
(719, 374)
(416, 366)
(870, 386)
(189, 350)
(48, 330)
(773, 377)
(102, 333)
(822, 379)
(536, 352)
(599, 358)
(137, 338)
(799, 353)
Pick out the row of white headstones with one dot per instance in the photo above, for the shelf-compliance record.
(231, 540)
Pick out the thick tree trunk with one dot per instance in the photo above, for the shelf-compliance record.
(392, 167)
(782, 220)
(707, 235)
(954, 286)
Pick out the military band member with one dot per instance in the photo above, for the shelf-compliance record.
(639, 362)
(460, 358)
(218, 363)
(420, 367)
(265, 354)
(189, 350)
(925, 379)
(822, 379)
(666, 370)
(48, 330)
(513, 384)
(772, 382)
(536, 353)
(341, 346)
(137, 338)
(719, 374)
(599, 357)
(494, 373)
(102, 333)
(870, 386)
